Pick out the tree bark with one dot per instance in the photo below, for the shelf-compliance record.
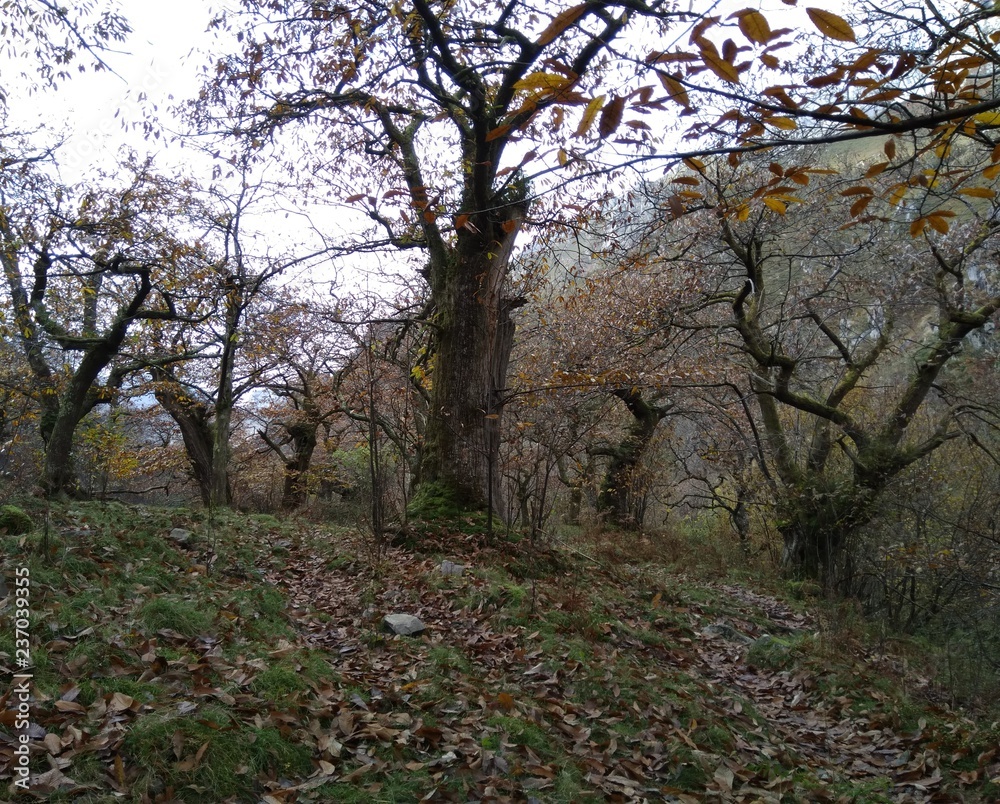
(616, 498)
(473, 339)
(194, 420)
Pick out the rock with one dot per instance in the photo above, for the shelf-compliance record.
(180, 536)
(451, 568)
(403, 624)
(727, 632)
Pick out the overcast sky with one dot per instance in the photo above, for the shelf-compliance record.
(160, 59)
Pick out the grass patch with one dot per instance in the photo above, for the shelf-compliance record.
(234, 754)
(176, 614)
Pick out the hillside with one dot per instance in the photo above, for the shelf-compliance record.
(179, 657)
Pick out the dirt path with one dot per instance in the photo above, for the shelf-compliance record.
(807, 719)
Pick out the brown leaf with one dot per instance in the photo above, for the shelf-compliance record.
(718, 65)
(831, 25)
(611, 117)
(497, 133)
(675, 90)
(562, 21)
(754, 26)
(177, 743)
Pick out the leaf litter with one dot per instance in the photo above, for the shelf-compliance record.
(539, 678)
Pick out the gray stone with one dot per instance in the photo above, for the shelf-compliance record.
(727, 632)
(403, 624)
(451, 568)
(180, 536)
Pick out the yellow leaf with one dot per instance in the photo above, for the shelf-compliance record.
(742, 212)
(875, 169)
(695, 164)
(775, 204)
(754, 26)
(589, 115)
(542, 80)
(988, 118)
(831, 25)
(783, 123)
(898, 194)
(978, 192)
(992, 172)
(563, 158)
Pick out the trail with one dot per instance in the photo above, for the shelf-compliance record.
(798, 731)
(813, 724)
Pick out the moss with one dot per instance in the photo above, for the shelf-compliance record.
(15, 521)
(435, 503)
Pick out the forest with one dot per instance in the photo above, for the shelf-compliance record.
(647, 351)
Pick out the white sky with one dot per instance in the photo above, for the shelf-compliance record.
(160, 59)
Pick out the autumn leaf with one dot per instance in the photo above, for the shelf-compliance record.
(675, 90)
(831, 25)
(938, 222)
(754, 26)
(541, 81)
(589, 115)
(783, 123)
(719, 65)
(860, 205)
(611, 117)
(978, 192)
(498, 132)
(562, 21)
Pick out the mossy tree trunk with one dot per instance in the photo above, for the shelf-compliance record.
(615, 501)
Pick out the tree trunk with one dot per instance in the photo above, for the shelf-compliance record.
(473, 339)
(192, 417)
(303, 441)
(614, 502)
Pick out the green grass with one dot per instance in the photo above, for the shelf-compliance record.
(172, 612)
(233, 753)
(538, 648)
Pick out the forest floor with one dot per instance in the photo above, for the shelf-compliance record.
(243, 658)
